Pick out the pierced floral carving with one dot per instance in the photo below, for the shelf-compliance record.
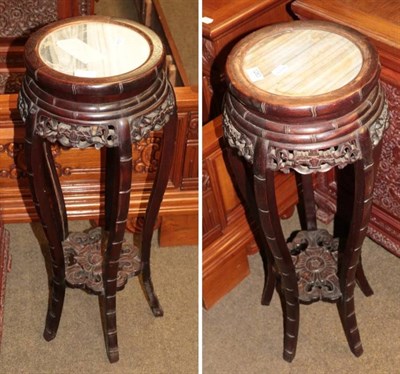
(83, 136)
(314, 254)
(153, 121)
(84, 261)
(76, 136)
(25, 107)
(308, 161)
(378, 128)
(283, 156)
(237, 140)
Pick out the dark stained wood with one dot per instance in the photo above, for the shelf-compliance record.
(308, 133)
(160, 184)
(228, 231)
(81, 113)
(379, 21)
(82, 175)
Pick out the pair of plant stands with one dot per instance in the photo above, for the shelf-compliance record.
(303, 96)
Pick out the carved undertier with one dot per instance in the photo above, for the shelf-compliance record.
(98, 135)
(83, 253)
(243, 129)
(314, 254)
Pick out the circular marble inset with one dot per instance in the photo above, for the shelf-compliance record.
(303, 62)
(94, 49)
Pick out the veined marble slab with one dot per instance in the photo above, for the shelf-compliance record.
(302, 63)
(94, 49)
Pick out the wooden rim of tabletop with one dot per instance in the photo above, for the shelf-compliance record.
(291, 108)
(129, 83)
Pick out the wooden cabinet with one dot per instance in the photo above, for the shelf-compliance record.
(227, 234)
(81, 172)
(224, 23)
(379, 20)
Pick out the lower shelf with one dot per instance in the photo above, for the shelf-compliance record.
(314, 254)
(84, 254)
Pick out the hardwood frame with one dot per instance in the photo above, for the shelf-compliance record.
(376, 20)
(285, 132)
(228, 232)
(80, 173)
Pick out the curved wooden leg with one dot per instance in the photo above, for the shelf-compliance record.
(246, 190)
(267, 209)
(306, 204)
(364, 181)
(47, 196)
(159, 186)
(362, 280)
(120, 161)
(344, 220)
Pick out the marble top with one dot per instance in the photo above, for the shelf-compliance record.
(94, 49)
(302, 63)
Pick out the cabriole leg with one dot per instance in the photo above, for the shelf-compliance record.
(364, 181)
(157, 192)
(267, 209)
(246, 190)
(47, 196)
(119, 160)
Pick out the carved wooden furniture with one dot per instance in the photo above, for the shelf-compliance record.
(228, 235)
(82, 177)
(96, 82)
(305, 96)
(379, 21)
(223, 24)
(225, 259)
